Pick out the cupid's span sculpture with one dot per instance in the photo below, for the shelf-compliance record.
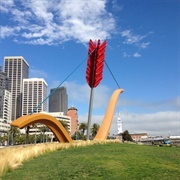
(57, 128)
(93, 77)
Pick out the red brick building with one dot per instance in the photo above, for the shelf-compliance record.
(72, 112)
(135, 136)
(138, 136)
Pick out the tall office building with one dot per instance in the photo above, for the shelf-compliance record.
(16, 69)
(34, 92)
(58, 101)
(4, 81)
(5, 103)
(4, 88)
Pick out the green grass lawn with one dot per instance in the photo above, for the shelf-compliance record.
(105, 162)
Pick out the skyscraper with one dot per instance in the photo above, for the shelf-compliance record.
(16, 69)
(34, 92)
(5, 103)
(58, 101)
(4, 89)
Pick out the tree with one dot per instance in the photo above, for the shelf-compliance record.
(78, 136)
(13, 132)
(43, 128)
(27, 134)
(94, 130)
(126, 136)
(83, 127)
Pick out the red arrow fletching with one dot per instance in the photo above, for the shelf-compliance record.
(95, 63)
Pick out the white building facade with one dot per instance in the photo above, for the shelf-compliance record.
(7, 107)
(4, 127)
(6, 116)
(34, 92)
(119, 123)
(5, 103)
(61, 117)
(16, 69)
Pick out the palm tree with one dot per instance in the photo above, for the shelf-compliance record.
(13, 132)
(78, 136)
(43, 129)
(95, 128)
(83, 127)
(27, 134)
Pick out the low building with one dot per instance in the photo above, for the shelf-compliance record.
(135, 136)
(138, 136)
(39, 128)
(175, 140)
(61, 117)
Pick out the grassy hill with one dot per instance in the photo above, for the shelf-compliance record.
(111, 161)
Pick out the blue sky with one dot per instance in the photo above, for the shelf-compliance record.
(142, 52)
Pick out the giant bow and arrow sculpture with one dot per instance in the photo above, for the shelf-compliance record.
(94, 71)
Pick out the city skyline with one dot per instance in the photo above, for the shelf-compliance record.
(142, 52)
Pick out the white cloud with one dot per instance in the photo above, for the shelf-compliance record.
(131, 38)
(125, 55)
(116, 6)
(6, 31)
(144, 45)
(42, 10)
(158, 123)
(53, 22)
(55, 84)
(136, 55)
(80, 93)
(137, 40)
(178, 101)
(21, 16)
(37, 73)
(134, 39)
(6, 5)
